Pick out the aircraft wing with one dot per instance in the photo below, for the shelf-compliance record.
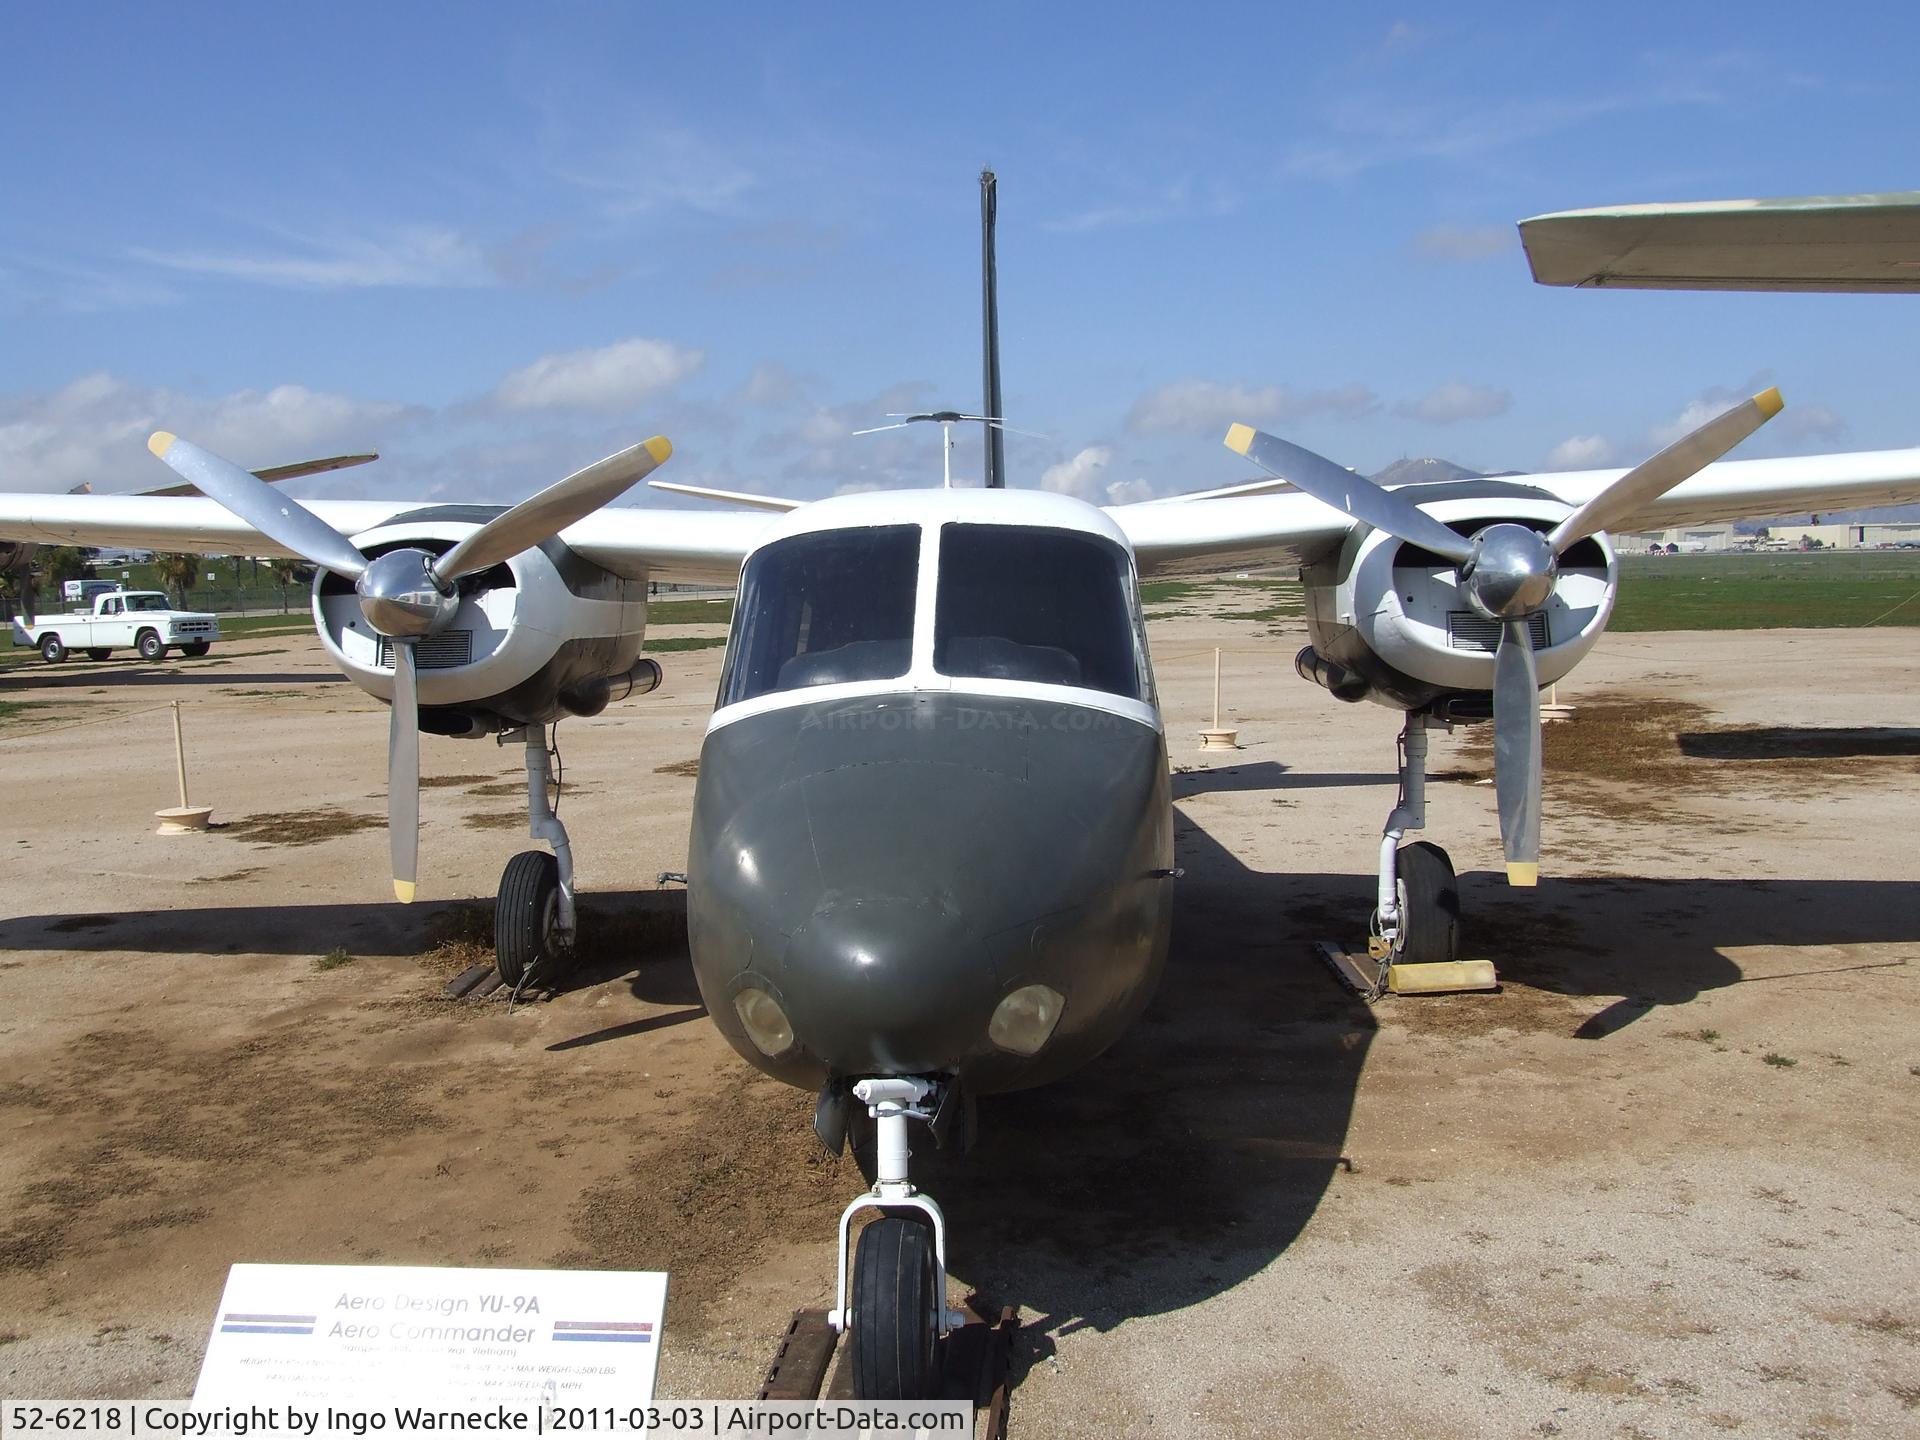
(1814, 242)
(678, 545)
(1756, 489)
(1224, 534)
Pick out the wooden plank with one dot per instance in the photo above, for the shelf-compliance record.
(800, 1364)
(463, 983)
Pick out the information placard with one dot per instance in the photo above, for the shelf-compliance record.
(369, 1334)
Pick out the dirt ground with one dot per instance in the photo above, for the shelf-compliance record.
(1665, 1182)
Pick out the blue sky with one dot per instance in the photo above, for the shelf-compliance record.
(496, 242)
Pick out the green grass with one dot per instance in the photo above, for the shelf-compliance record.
(683, 642)
(1768, 591)
(690, 612)
(17, 709)
(333, 959)
(1780, 1062)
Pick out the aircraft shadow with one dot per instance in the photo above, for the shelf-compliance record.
(1265, 775)
(1192, 1154)
(1782, 742)
(641, 935)
(111, 677)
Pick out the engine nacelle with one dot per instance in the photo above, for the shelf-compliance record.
(538, 637)
(1390, 622)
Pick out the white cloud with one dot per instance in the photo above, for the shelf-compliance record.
(655, 169)
(609, 380)
(420, 256)
(1810, 422)
(1402, 36)
(1201, 405)
(772, 386)
(1466, 243)
(1179, 201)
(1581, 452)
(1079, 476)
(93, 431)
(1130, 492)
(1456, 400)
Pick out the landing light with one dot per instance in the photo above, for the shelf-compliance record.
(767, 1024)
(1024, 1021)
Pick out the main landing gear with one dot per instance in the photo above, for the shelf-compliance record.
(1413, 943)
(1417, 921)
(898, 1313)
(534, 923)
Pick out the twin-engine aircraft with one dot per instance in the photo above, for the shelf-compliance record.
(932, 843)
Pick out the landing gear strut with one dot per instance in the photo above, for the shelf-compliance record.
(1414, 939)
(534, 923)
(1417, 921)
(899, 1312)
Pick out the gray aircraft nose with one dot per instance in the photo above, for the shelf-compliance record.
(888, 888)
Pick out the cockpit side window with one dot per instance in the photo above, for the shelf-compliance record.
(1052, 607)
(824, 608)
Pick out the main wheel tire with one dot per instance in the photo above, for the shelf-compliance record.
(196, 648)
(148, 643)
(52, 650)
(1429, 905)
(895, 1329)
(526, 917)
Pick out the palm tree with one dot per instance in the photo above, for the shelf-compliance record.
(289, 572)
(178, 571)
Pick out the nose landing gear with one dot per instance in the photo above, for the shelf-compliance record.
(899, 1312)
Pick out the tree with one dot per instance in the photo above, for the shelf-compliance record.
(289, 572)
(179, 572)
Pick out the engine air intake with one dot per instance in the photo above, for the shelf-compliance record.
(1469, 631)
(433, 652)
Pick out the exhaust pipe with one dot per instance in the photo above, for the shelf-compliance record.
(1341, 682)
(592, 696)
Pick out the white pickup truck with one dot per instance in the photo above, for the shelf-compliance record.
(142, 619)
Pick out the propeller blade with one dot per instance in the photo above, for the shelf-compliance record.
(1516, 752)
(1358, 496)
(545, 515)
(274, 515)
(27, 598)
(403, 774)
(1653, 478)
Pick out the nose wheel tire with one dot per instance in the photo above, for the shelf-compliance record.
(1429, 905)
(895, 1311)
(527, 937)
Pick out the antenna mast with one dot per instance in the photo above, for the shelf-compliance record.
(996, 446)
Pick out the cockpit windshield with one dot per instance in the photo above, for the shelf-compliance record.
(824, 608)
(1053, 607)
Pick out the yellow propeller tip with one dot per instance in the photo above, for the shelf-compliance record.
(1770, 402)
(1239, 438)
(1521, 873)
(660, 448)
(160, 442)
(403, 891)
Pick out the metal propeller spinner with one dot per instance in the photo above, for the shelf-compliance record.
(408, 594)
(1508, 572)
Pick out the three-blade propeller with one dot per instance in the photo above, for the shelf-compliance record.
(1508, 572)
(409, 594)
